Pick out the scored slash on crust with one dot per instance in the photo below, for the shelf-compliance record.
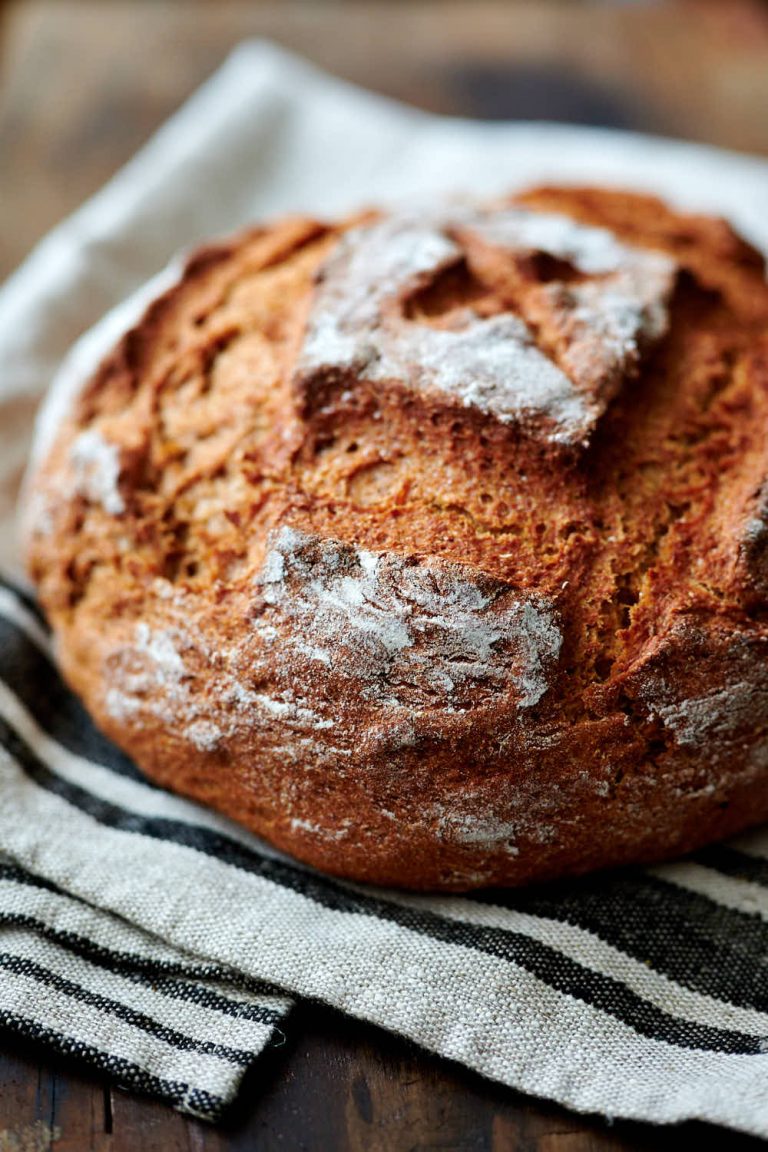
(492, 363)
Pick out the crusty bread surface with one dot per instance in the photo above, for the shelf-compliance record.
(433, 546)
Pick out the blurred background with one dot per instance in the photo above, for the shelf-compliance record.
(83, 83)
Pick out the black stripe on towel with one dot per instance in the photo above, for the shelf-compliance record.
(22, 966)
(174, 981)
(731, 862)
(124, 1072)
(117, 961)
(688, 937)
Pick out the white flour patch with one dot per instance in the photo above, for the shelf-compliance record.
(411, 635)
(160, 645)
(730, 715)
(758, 756)
(38, 513)
(754, 529)
(96, 466)
(154, 676)
(204, 734)
(490, 364)
(478, 830)
(341, 833)
(695, 720)
(594, 251)
(121, 705)
(290, 710)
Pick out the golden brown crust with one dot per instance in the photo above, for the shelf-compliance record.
(312, 558)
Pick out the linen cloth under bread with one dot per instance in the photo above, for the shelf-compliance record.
(162, 944)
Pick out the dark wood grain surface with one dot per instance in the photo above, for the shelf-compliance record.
(83, 83)
(338, 1086)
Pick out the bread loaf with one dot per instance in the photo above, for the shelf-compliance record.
(433, 546)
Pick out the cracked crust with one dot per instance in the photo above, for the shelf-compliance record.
(433, 548)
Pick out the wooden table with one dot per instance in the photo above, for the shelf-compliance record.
(82, 84)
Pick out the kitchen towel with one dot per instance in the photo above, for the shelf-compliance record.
(164, 944)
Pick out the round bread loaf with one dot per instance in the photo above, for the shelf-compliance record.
(433, 546)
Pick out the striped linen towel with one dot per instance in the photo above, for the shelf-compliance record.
(163, 944)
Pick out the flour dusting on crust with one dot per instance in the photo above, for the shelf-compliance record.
(431, 634)
(725, 704)
(160, 672)
(704, 717)
(96, 465)
(490, 363)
